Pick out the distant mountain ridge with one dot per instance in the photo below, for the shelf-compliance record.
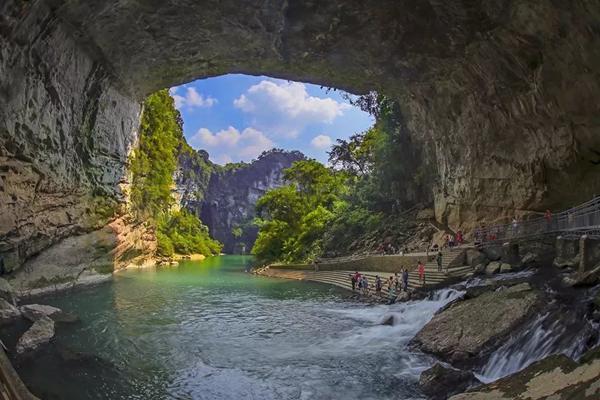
(224, 197)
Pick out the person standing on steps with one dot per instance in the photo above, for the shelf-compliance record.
(421, 269)
(396, 282)
(459, 238)
(353, 281)
(438, 258)
(378, 285)
(405, 279)
(391, 295)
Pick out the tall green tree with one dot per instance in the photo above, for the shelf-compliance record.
(293, 218)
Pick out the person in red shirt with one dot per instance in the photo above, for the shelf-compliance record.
(421, 270)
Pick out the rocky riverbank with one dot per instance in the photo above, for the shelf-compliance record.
(519, 310)
(521, 324)
(39, 319)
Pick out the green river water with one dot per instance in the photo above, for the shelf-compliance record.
(210, 330)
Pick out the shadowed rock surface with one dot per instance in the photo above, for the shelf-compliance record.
(439, 382)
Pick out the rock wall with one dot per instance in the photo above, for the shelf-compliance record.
(501, 97)
(65, 134)
(229, 199)
(511, 122)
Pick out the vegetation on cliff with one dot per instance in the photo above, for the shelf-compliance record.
(354, 205)
(153, 165)
(293, 218)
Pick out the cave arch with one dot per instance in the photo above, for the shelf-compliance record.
(499, 98)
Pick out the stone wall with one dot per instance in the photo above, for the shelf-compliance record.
(390, 263)
(65, 134)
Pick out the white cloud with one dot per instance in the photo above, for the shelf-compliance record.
(231, 144)
(191, 99)
(321, 142)
(285, 108)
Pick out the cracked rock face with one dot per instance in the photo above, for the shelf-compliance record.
(501, 98)
(228, 200)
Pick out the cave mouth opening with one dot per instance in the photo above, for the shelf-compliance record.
(248, 129)
(236, 117)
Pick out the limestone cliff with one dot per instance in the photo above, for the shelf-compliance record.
(225, 202)
(65, 135)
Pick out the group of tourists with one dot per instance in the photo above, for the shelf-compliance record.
(394, 284)
(388, 248)
(451, 240)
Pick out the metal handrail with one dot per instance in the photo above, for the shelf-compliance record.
(579, 220)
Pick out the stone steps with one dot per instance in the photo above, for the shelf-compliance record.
(342, 278)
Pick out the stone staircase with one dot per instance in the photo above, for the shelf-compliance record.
(432, 276)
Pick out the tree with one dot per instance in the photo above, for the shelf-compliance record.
(292, 219)
(355, 155)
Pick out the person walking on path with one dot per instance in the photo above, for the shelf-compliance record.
(421, 270)
(438, 258)
(405, 279)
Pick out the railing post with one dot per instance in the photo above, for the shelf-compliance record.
(589, 252)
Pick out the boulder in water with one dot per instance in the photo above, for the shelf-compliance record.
(8, 312)
(493, 268)
(403, 296)
(555, 377)
(40, 333)
(467, 327)
(439, 382)
(529, 260)
(474, 291)
(493, 253)
(34, 312)
(479, 269)
(389, 320)
(505, 267)
(562, 262)
(521, 287)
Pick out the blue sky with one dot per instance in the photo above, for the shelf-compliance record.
(236, 117)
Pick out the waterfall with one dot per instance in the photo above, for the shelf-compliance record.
(555, 332)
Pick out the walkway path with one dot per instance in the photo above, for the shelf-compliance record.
(583, 219)
(341, 278)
